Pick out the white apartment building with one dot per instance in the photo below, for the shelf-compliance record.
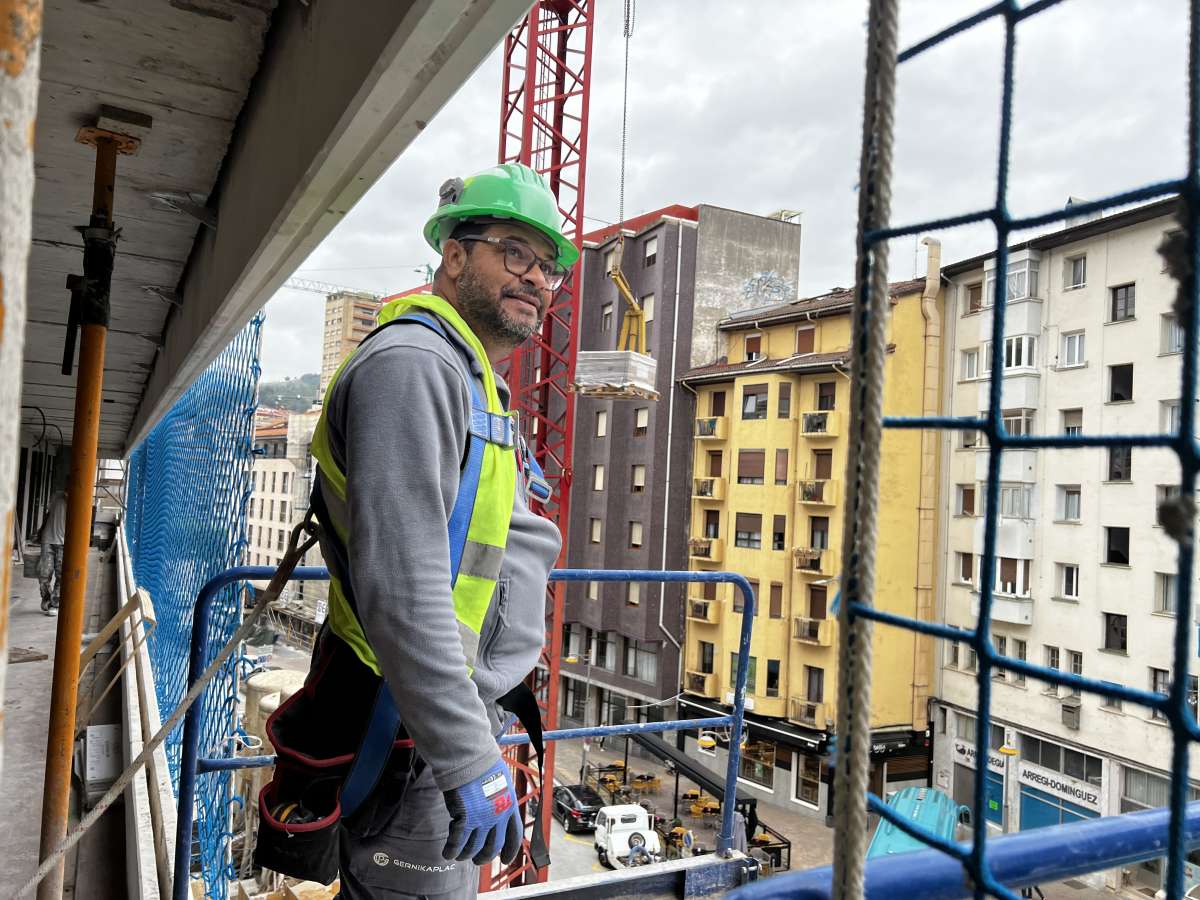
(1085, 576)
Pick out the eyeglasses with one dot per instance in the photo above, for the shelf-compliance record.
(519, 258)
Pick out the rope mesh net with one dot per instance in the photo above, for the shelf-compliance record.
(189, 483)
(1177, 514)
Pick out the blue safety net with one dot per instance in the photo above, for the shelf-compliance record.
(189, 483)
(1176, 513)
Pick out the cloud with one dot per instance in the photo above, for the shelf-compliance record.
(759, 107)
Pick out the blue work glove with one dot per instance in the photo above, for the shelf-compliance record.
(484, 819)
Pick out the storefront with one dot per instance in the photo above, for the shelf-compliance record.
(1051, 798)
(964, 780)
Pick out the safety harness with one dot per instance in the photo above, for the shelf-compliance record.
(476, 541)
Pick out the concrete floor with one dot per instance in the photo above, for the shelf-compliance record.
(99, 861)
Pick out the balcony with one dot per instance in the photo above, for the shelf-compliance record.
(708, 488)
(1006, 608)
(712, 428)
(818, 493)
(702, 684)
(706, 549)
(812, 559)
(819, 424)
(810, 713)
(706, 611)
(812, 631)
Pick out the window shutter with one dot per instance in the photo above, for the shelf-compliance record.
(781, 466)
(751, 463)
(748, 522)
(805, 340)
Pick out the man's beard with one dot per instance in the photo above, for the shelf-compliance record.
(486, 315)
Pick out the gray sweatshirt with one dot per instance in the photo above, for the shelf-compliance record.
(397, 422)
(54, 526)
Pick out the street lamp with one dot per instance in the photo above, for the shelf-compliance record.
(587, 702)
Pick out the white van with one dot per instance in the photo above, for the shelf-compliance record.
(625, 836)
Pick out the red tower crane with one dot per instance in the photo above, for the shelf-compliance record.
(544, 124)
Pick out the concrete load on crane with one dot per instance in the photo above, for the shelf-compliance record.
(615, 374)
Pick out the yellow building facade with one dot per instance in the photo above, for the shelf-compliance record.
(768, 484)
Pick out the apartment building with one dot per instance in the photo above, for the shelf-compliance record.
(1085, 577)
(767, 485)
(689, 267)
(349, 317)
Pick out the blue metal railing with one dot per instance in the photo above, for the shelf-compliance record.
(192, 766)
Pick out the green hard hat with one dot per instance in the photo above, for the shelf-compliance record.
(508, 191)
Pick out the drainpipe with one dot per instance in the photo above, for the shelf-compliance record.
(90, 314)
(927, 501)
(22, 47)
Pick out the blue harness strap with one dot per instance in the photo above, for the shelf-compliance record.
(384, 725)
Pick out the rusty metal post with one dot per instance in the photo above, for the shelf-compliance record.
(20, 54)
(90, 295)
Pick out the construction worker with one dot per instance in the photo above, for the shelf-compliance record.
(52, 536)
(446, 606)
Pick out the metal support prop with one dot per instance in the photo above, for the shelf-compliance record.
(20, 48)
(92, 296)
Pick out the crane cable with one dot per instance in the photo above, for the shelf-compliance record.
(630, 15)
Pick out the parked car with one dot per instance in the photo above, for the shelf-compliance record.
(575, 807)
(625, 836)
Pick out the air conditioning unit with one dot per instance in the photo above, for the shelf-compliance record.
(1070, 713)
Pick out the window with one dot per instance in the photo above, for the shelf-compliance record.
(753, 347)
(606, 317)
(1072, 421)
(952, 650)
(641, 420)
(739, 602)
(648, 318)
(964, 727)
(776, 603)
(1122, 303)
(1068, 581)
(284, 483)
(970, 364)
(1018, 422)
(712, 523)
(1022, 282)
(1166, 599)
(751, 673)
(1116, 546)
(1120, 383)
(637, 479)
(966, 568)
(598, 478)
(1075, 667)
(635, 535)
(968, 440)
(593, 590)
(1012, 576)
(601, 423)
(973, 297)
(785, 400)
(748, 530)
(279, 539)
(1160, 683)
(270, 509)
(1164, 493)
(604, 650)
(814, 682)
(1116, 632)
(779, 533)
(1020, 648)
(1072, 350)
(706, 657)
(1112, 703)
(772, 678)
(1020, 351)
(806, 340)
(781, 466)
(817, 601)
(718, 404)
(650, 252)
(1015, 500)
(758, 763)
(808, 779)
(1070, 762)
(1172, 335)
(826, 395)
(1170, 416)
(715, 460)
(818, 532)
(1074, 272)
(822, 464)
(1051, 663)
(754, 401)
(273, 477)
(1120, 463)
(750, 467)
(1067, 506)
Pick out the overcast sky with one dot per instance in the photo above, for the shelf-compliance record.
(757, 106)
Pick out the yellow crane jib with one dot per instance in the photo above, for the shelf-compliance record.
(633, 321)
